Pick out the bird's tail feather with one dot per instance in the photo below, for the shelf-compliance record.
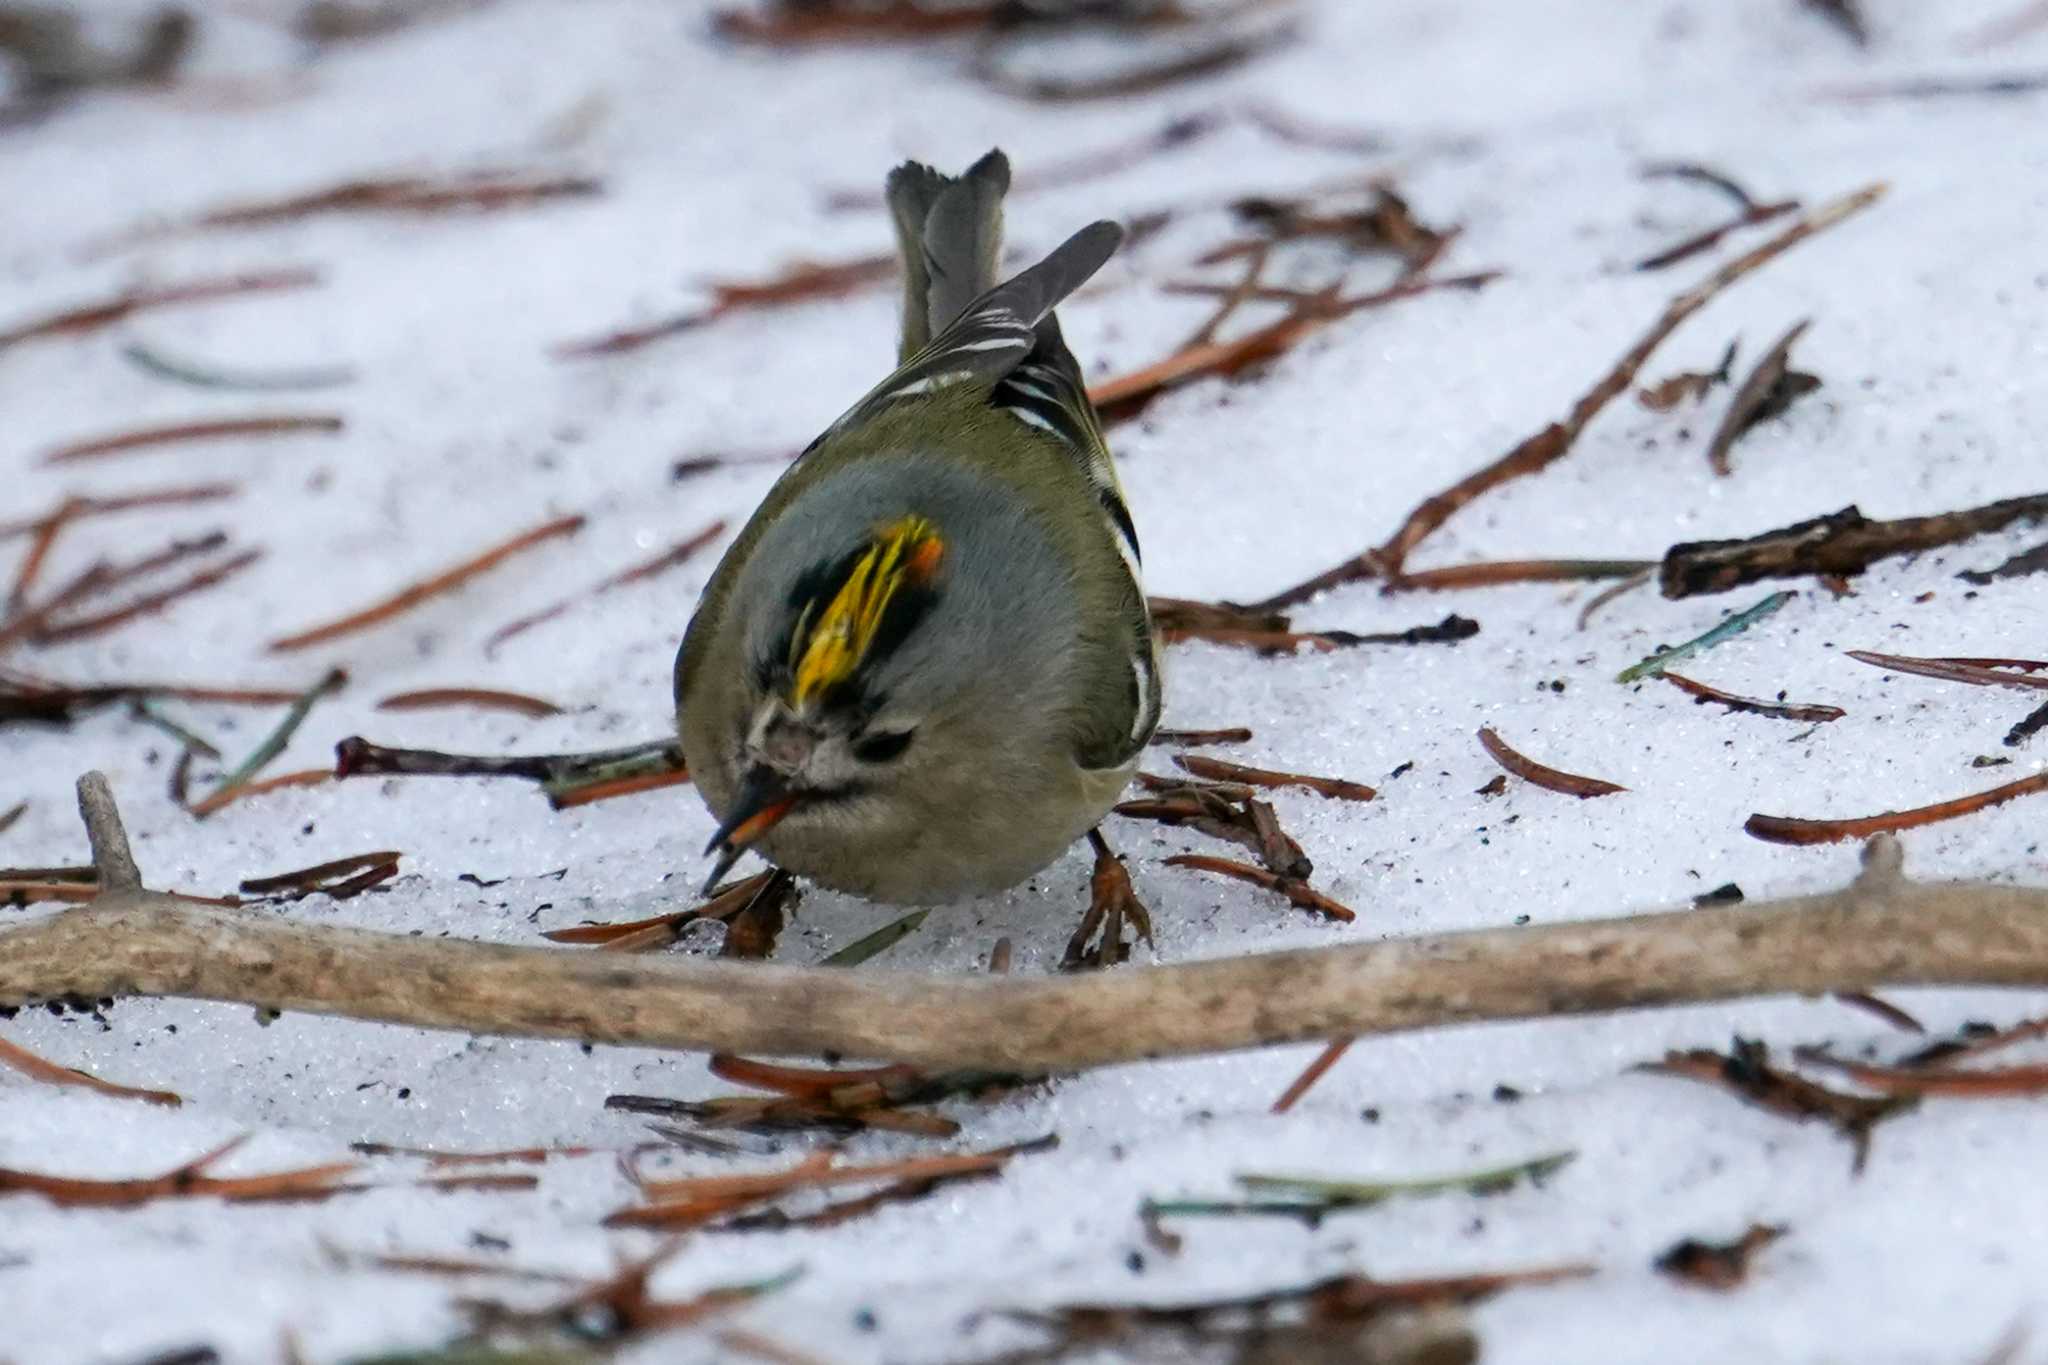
(949, 232)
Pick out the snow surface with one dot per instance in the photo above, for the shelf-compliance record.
(1526, 124)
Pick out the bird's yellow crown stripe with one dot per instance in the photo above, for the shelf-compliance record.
(905, 552)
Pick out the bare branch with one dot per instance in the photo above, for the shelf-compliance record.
(1880, 931)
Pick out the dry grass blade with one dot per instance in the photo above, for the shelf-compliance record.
(1212, 55)
(12, 814)
(93, 317)
(39, 553)
(1978, 672)
(482, 698)
(447, 580)
(1554, 442)
(1542, 775)
(1813, 713)
(51, 1073)
(225, 428)
(676, 554)
(1719, 633)
(272, 744)
(1786, 829)
(529, 1155)
(1747, 1073)
(1718, 1265)
(1218, 770)
(187, 1181)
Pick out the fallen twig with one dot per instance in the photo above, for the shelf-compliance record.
(2027, 727)
(49, 1072)
(187, 1181)
(1554, 442)
(179, 432)
(483, 698)
(1218, 770)
(77, 508)
(1946, 1081)
(2025, 562)
(563, 776)
(94, 316)
(1542, 775)
(1811, 713)
(445, 581)
(1880, 930)
(1747, 1073)
(339, 878)
(1842, 543)
(1165, 736)
(1500, 573)
(1312, 1073)
(648, 568)
(481, 192)
(1298, 892)
(1785, 829)
(1977, 672)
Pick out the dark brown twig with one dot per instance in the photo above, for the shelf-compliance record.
(339, 878)
(1747, 1073)
(1717, 1265)
(125, 502)
(1843, 543)
(1811, 713)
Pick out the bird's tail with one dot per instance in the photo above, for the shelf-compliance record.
(949, 231)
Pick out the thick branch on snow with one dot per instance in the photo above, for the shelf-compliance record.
(1881, 930)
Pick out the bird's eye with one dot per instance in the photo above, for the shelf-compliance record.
(880, 748)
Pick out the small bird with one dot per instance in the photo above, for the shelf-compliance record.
(926, 666)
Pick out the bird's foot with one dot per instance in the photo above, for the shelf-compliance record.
(1112, 903)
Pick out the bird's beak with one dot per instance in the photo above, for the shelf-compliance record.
(762, 801)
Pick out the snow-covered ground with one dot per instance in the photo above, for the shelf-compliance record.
(1524, 123)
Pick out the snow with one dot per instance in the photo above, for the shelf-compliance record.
(1526, 124)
